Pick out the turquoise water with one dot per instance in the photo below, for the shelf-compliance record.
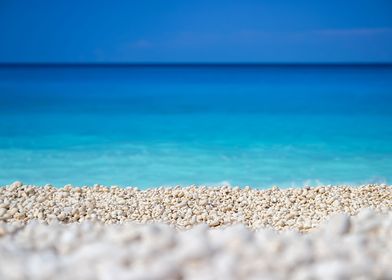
(179, 125)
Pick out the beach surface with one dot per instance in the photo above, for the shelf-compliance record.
(97, 232)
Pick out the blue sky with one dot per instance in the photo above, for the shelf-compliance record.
(196, 31)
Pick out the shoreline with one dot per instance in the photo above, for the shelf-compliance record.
(301, 208)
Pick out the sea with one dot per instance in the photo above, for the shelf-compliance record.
(152, 125)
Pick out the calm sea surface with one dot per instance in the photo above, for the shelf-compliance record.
(179, 125)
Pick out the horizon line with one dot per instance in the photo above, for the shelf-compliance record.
(189, 64)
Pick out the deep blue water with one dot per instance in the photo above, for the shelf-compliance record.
(149, 126)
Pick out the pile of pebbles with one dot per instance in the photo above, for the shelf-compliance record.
(330, 232)
(302, 209)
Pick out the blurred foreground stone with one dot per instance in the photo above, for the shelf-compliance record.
(344, 247)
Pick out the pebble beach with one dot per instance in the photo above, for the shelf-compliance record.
(98, 232)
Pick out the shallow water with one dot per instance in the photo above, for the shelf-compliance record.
(160, 125)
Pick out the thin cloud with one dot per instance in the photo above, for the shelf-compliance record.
(354, 31)
(256, 34)
(140, 44)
